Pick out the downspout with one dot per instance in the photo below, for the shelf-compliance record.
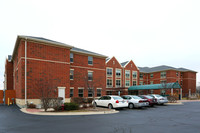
(25, 71)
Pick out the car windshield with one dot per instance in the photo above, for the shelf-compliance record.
(117, 98)
(136, 97)
(149, 97)
(158, 96)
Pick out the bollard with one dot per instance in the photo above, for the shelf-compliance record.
(8, 101)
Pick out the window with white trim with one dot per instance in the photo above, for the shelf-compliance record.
(80, 92)
(163, 74)
(141, 82)
(134, 83)
(151, 82)
(118, 83)
(109, 72)
(71, 57)
(109, 82)
(71, 74)
(127, 83)
(141, 76)
(118, 72)
(90, 60)
(151, 75)
(90, 75)
(98, 92)
(71, 92)
(90, 92)
(127, 73)
(134, 75)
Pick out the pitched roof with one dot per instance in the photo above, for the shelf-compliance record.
(161, 68)
(124, 63)
(79, 50)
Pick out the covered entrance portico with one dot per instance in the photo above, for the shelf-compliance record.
(165, 89)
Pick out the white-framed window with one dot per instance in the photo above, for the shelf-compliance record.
(134, 74)
(151, 82)
(118, 83)
(127, 84)
(71, 91)
(141, 75)
(109, 72)
(151, 75)
(109, 83)
(90, 75)
(90, 60)
(134, 83)
(98, 92)
(71, 57)
(80, 92)
(141, 82)
(163, 81)
(71, 74)
(118, 72)
(127, 73)
(163, 74)
(90, 92)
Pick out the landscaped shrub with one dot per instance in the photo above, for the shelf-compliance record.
(71, 106)
(77, 100)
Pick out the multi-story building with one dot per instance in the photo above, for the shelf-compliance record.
(166, 74)
(44, 67)
(39, 64)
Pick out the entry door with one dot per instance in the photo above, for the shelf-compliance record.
(61, 93)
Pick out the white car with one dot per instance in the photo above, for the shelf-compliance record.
(160, 99)
(111, 101)
(135, 101)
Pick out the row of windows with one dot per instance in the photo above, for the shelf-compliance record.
(90, 59)
(118, 83)
(81, 92)
(90, 75)
(109, 72)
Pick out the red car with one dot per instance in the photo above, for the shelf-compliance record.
(152, 101)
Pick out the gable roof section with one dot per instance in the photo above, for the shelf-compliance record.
(79, 50)
(109, 59)
(162, 68)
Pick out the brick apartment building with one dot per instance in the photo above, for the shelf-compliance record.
(39, 63)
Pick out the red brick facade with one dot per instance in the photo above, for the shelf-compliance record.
(49, 65)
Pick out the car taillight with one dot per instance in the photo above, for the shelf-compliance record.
(162, 99)
(140, 101)
(117, 101)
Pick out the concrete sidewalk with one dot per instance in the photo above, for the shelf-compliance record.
(42, 112)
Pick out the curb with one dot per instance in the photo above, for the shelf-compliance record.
(68, 113)
(179, 103)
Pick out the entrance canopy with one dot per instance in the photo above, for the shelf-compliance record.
(156, 86)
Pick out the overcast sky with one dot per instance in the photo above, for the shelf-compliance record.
(149, 32)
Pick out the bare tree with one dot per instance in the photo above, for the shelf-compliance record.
(47, 93)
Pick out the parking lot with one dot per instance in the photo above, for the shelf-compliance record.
(166, 119)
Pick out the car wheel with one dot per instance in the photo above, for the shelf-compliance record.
(110, 106)
(131, 106)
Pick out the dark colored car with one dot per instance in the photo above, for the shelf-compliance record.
(152, 101)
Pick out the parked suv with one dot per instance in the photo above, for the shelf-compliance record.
(135, 101)
(160, 99)
(111, 101)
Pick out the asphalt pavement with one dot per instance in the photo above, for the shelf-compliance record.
(159, 119)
